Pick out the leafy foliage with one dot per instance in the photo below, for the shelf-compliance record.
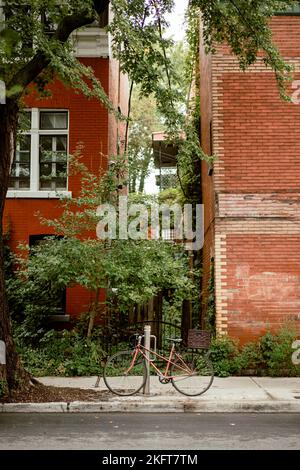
(65, 353)
(3, 388)
(223, 353)
(35, 45)
(144, 121)
(210, 319)
(270, 355)
(132, 271)
(70, 353)
(244, 26)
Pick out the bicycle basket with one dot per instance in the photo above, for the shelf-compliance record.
(198, 339)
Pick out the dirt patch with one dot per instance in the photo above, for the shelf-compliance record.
(39, 393)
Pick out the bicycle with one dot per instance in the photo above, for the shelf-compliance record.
(190, 373)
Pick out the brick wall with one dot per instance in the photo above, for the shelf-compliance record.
(256, 190)
(263, 280)
(88, 119)
(88, 127)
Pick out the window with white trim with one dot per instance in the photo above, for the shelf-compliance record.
(20, 170)
(40, 162)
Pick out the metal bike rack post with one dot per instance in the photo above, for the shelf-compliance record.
(147, 335)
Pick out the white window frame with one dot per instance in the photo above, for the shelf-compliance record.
(35, 132)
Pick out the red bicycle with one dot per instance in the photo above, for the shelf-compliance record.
(191, 373)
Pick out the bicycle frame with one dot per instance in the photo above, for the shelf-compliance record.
(140, 349)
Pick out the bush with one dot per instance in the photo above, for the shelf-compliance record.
(64, 353)
(277, 352)
(70, 353)
(3, 388)
(223, 354)
(249, 359)
(271, 355)
(30, 304)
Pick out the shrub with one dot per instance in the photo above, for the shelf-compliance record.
(250, 358)
(70, 353)
(223, 354)
(277, 353)
(270, 355)
(3, 388)
(63, 353)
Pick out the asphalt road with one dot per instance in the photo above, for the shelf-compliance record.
(149, 431)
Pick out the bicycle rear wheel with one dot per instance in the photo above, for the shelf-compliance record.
(192, 373)
(122, 376)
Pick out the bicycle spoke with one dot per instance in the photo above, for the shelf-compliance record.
(124, 374)
(192, 374)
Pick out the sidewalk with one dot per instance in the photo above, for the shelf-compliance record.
(226, 395)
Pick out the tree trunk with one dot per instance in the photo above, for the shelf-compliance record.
(94, 313)
(132, 188)
(142, 181)
(12, 374)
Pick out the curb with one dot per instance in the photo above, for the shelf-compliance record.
(149, 406)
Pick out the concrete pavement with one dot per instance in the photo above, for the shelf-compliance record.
(227, 395)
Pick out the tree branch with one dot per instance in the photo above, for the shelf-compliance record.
(40, 61)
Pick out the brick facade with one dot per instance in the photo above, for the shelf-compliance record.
(91, 127)
(252, 200)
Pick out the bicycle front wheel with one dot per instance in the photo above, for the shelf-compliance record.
(192, 373)
(123, 375)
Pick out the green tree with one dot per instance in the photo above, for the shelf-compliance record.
(147, 118)
(135, 270)
(144, 121)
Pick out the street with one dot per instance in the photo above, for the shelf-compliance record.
(116, 431)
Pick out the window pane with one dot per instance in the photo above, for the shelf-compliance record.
(24, 170)
(24, 183)
(17, 183)
(60, 183)
(61, 169)
(23, 157)
(61, 143)
(46, 176)
(53, 176)
(53, 152)
(46, 142)
(24, 143)
(49, 120)
(45, 169)
(25, 121)
(23, 149)
(46, 148)
(20, 171)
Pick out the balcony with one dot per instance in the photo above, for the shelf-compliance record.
(91, 41)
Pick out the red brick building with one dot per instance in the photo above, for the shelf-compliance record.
(252, 195)
(58, 124)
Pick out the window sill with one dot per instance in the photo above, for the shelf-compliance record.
(38, 194)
